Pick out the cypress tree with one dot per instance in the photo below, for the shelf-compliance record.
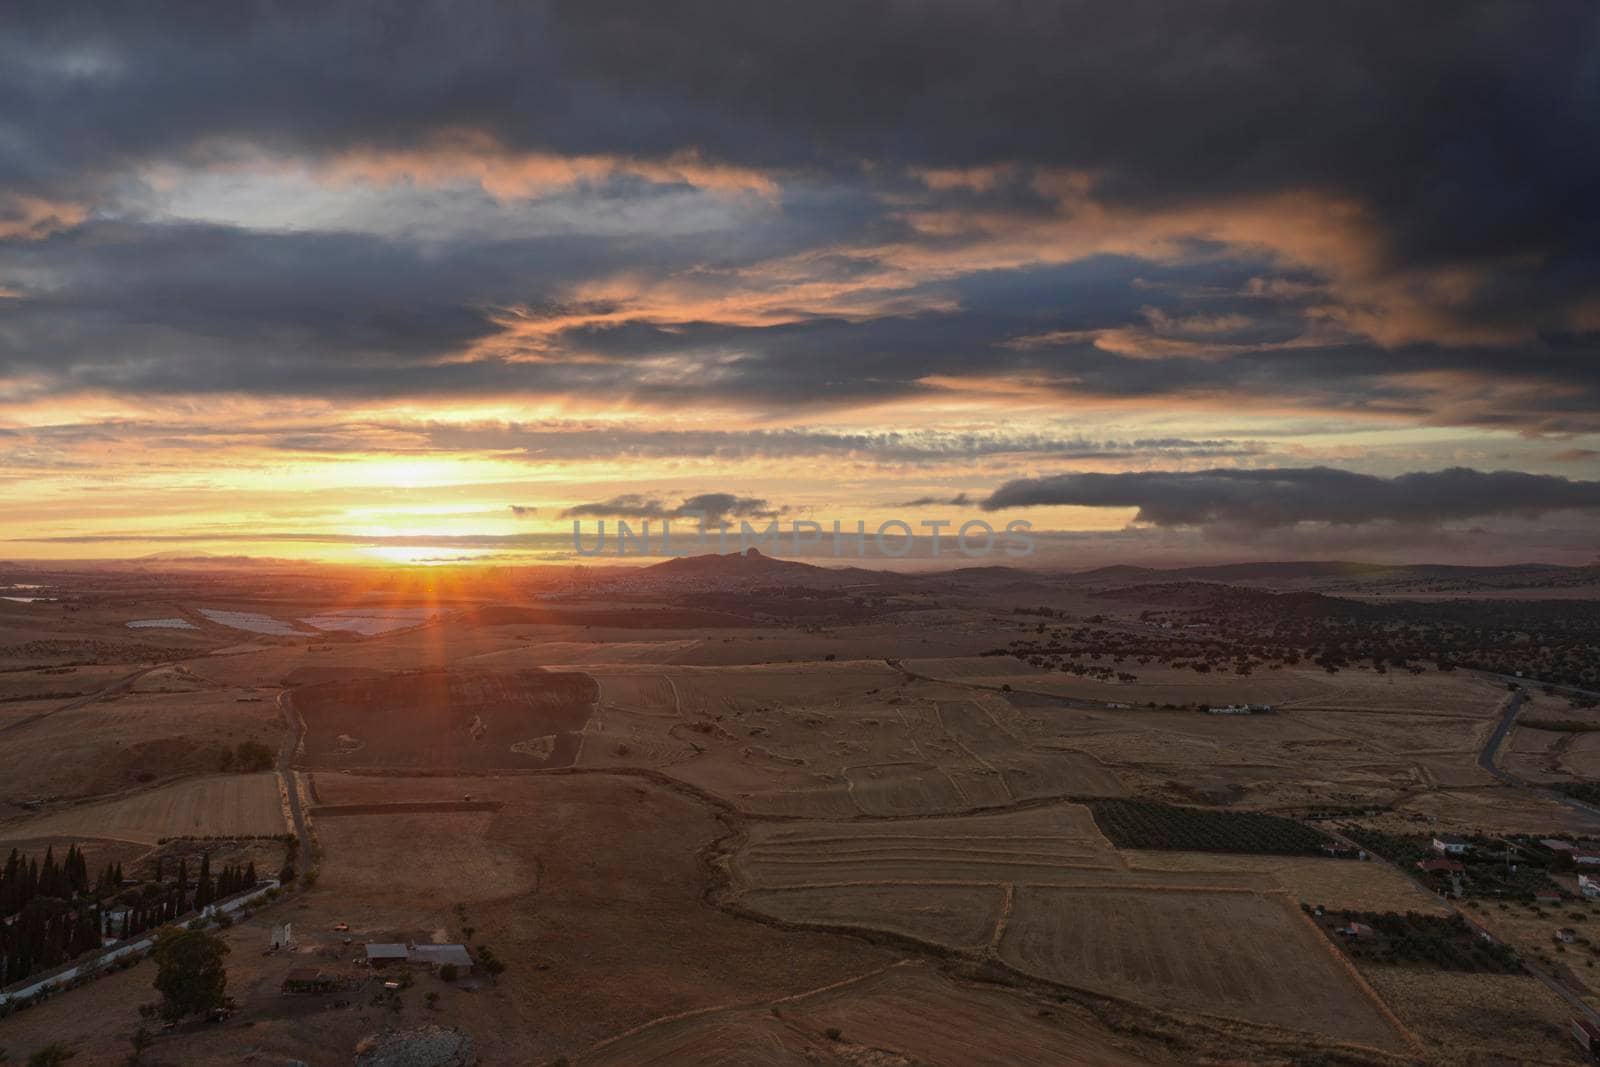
(204, 891)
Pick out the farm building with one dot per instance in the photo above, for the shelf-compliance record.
(1356, 931)
(381, 955)
(1546, 897)
(1439, 864)
(1589, 885)
(1557, 845)
(429, 956)
(282, 936)
(1585, 858)
(1451, 845)
(309, 980)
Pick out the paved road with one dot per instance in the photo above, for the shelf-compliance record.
(1503, 727)
(1486, 760)
(286, 775)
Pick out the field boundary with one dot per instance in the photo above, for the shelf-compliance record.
(1366, 987)
(404, 807)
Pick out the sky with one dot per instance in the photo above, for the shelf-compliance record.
(432, 281)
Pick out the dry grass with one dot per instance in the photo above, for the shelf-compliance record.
(1238, 954)
(749, 1037)
(444, 849)
(1312, 880)
(1058, 842)
(1497, 809)
(1291, 686)
(243, 804)
(1478, 1019)
(921, 1017)
(131, 740)
(959, 916)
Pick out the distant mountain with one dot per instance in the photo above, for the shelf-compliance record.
(754, 567)
(747, 564)
(1121, 572)
(1287, 571)
(186, 556)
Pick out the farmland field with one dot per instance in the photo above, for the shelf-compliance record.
(1336, 883)
(735, 1038)
(447, 720)
(130, 740)
(1057, 841)
(929, 1019)
(875, 860)
(1237, 954)
(243, 804)
(1478, 1018)
(961, 916)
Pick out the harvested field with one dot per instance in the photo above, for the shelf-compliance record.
(748, 1037)
(1478, 1018)
(1336, 883)
(1044, 843)
(441, 849)
(917, 1016)
(97, 851)
(902, 789)
(960, 916)
(128, 741)
(645, 694)
(242, 804)
(1236, 954)
(580, 882)
(1029, 775)
(585, 654)
(759, 787)
(712, 691)
(334, 811)
(446, 720)
(1582, 757)
(1499, 809)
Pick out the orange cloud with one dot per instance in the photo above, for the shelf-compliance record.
(30, 218)
(509, 174)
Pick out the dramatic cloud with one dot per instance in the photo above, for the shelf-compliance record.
(595, 200)
(711, 508)
(1282, 497)
(518, 240)
(960, 500)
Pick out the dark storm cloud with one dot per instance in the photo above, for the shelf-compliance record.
(960, 500)
(1285, 496)
(710, 508)
(1469, 127)
(1465, 137)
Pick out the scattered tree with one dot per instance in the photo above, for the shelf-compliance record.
(189, 972)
